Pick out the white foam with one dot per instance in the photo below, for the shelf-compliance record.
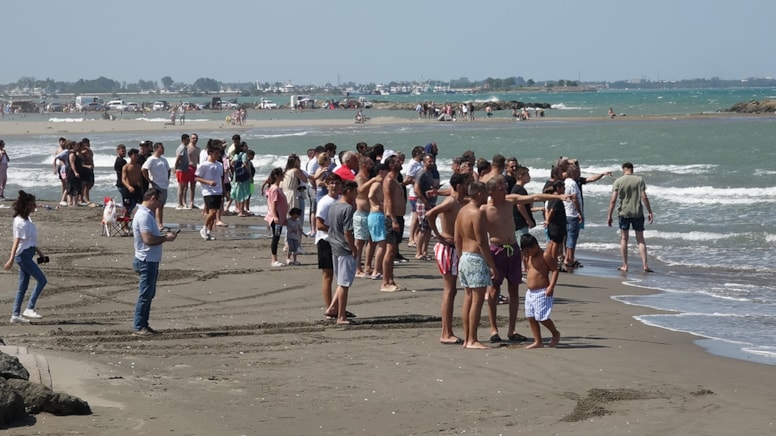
(689, 236)
(66, 120)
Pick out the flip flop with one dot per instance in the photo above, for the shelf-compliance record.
(622, 269)
(647, 270)
(517, 337)
(458, 341)
(495, 338)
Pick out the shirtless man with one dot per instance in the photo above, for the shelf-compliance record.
(194, 153)
(475, 266)
(132, 179)
(361, 216)
(444, 250)
(394, 208)
(541, 279)
(376, 219)
(505, 251)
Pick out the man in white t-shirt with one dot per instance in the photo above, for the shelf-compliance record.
(573, 214)
(156, 170)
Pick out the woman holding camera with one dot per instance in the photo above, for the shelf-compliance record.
(25, 246)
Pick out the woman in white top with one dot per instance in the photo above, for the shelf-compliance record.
(25, 245)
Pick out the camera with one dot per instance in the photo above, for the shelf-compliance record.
(301, 188)
(43, 259)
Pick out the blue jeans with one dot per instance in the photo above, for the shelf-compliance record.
(572, 231)
(28, 268)
(148, 273)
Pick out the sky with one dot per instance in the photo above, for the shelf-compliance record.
(339, 41)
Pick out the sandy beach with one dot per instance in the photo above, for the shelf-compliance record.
(245, 350)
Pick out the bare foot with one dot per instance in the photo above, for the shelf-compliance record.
(476, 346)
(623, 268)
(537, 345)
(345, 322)
(452, 340)
(555, 339)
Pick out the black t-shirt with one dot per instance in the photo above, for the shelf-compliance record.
(517, 216)
(117, 166)
(557, 224)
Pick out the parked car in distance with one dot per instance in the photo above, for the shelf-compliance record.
(366, 104)
(159, 106)
(267, 104)
(117, 105)
(94, 107)
(133, 107)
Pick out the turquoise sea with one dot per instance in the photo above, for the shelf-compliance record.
(711, 181)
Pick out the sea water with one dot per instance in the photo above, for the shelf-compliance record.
(711, 182)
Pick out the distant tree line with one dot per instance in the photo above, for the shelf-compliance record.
(205, 85)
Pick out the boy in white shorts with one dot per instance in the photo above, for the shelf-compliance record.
(542, 276)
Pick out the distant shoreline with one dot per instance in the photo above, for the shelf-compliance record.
(12, 127)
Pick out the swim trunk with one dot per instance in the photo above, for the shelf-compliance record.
(325, 260)
(361, 225)
(391, 236)
(344, 270)
(537, 304)
(473, 271)
(376, 223)
(213, 202)
(509, 263)
(423, 224)
(446, 259)
(637, 223)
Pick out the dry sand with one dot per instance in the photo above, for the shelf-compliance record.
(245, 350)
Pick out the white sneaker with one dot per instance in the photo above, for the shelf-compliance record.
(31, 313)
(203, 233)
(277, 264)
(19, 319)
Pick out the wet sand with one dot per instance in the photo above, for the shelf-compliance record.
(246, 350)
(90, 125)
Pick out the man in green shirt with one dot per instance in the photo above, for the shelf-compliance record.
(631, 190)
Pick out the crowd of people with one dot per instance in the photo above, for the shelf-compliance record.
(356, 201)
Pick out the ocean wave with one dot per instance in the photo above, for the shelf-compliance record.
(278, 135)
(491, 99)
(689, 236)
(66, 120)
(167, 120)
(562, 106)
(711, 195)
(679, 169)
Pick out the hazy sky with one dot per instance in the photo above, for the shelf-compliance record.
(319, 41)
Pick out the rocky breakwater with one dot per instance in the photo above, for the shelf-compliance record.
(19, 397)
(478, 106)
(754, 107)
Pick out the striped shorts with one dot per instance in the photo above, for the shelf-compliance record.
(537, 304)
(446, 259)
